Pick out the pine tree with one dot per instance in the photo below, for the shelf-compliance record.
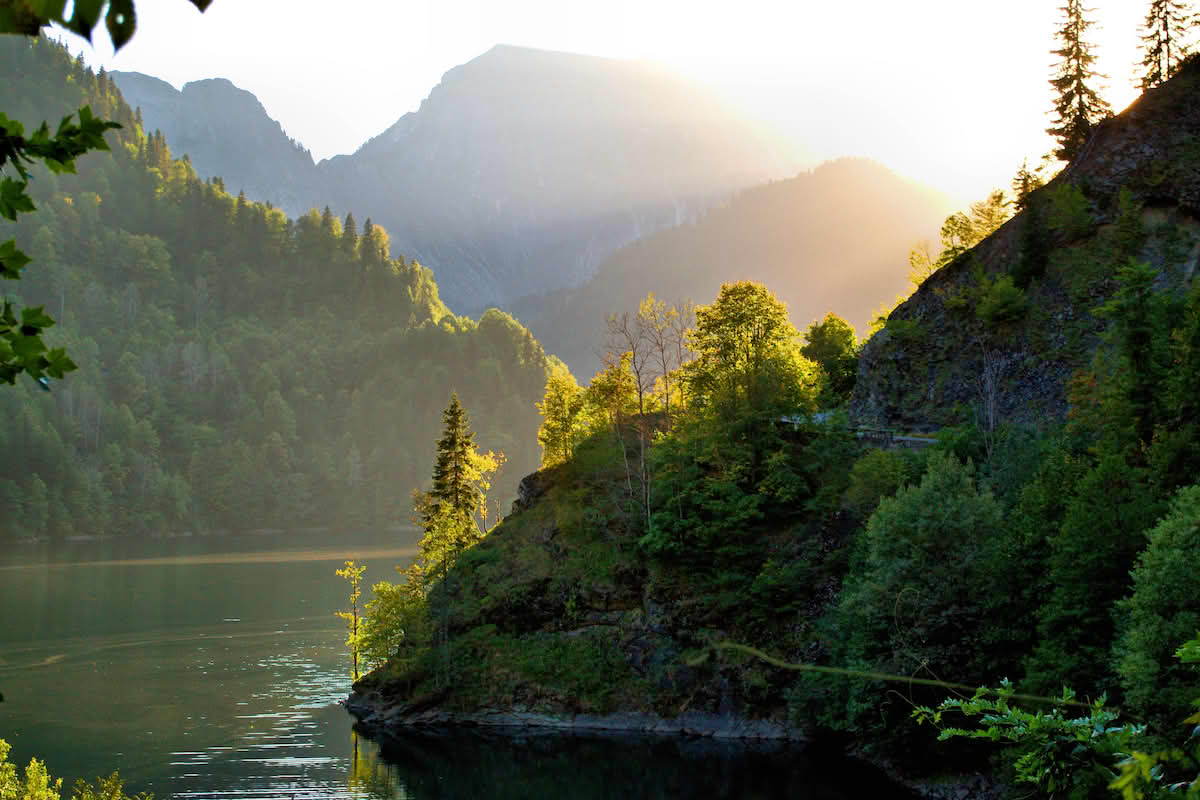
(350, 236)
(1078, 106)
(1025, 183)
(460, 474)
(1165, 40)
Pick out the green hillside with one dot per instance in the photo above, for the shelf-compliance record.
(237, 369)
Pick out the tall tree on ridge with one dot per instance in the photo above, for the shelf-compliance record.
(1078, 106)
(1165, 40)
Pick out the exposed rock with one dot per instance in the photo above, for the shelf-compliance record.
(931, 365)
(376, 714)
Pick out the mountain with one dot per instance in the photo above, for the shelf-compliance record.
(237, 369)
(226, 133)
(832, 239)
(522, 171)
(1006, 326)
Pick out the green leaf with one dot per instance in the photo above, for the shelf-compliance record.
(121, 22)
(35, 317)
(13, 199)
(84, 16)
(28, 348)
(12, 260)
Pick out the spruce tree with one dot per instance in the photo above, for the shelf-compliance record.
(453, 488)
(1078, 106)
(1165, 40)
(350, 236)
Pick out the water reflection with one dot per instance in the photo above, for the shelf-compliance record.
(470, 766)
(210, 669)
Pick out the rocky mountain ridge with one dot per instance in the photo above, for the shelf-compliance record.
(225, 132)
(966, 348)
(520, 172)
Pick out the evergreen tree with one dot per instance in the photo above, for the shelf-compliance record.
(1165, 40)
(350, 236)
(460, 475)
(1078, 106)
(451, 486)
(1024, 183)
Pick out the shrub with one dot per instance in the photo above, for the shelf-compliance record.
(1001, 301)
(876, 475)
(1163, 610)
(1069, 211)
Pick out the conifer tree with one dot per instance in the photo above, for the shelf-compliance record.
(1165, 41)
(461, 475)
(451, 485)
(350, 236)
(1078, 106)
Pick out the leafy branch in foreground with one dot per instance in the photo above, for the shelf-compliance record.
(1063, 756)
(30, 16)
(21, 345)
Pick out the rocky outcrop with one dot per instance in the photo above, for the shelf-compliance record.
(945, 356)
(376, 713)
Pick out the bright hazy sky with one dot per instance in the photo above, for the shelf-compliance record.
(950, 92)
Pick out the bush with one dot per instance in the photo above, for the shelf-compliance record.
(1001, 301)
(1088, 567)
(1070, 211)
(1063, 757)
(876, 475)
(911, 605)
(1163, 610)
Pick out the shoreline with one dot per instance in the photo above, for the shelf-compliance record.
(377, 716)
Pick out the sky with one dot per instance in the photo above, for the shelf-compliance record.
(952, 93)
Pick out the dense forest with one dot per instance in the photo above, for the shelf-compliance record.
(237, 369)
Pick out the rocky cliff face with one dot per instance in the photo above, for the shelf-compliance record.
(226, 133)
(965, 347)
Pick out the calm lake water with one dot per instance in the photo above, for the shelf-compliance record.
(211, 667)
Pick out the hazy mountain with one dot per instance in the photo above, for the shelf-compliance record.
(226, 132)
(521, 171)
(833, 239)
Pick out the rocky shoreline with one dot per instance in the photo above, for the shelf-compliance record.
(376, 715)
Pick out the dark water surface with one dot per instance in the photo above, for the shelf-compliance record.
(211, 667)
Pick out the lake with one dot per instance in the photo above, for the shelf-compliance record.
(212, 667)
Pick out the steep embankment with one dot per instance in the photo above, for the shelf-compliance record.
(558, 617)
(966, 340)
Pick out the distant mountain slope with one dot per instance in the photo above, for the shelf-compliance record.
(833, 239)
(522, 171)
(225, 132)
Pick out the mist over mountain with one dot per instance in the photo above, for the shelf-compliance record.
(835, 238)
(225, 132)
(522, 171)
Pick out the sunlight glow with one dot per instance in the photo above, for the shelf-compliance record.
(952, 93)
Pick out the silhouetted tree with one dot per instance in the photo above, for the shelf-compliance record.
(1165, 40)
(1078, 106)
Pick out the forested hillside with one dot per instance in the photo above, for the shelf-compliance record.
(237, 369)
(832, 239)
